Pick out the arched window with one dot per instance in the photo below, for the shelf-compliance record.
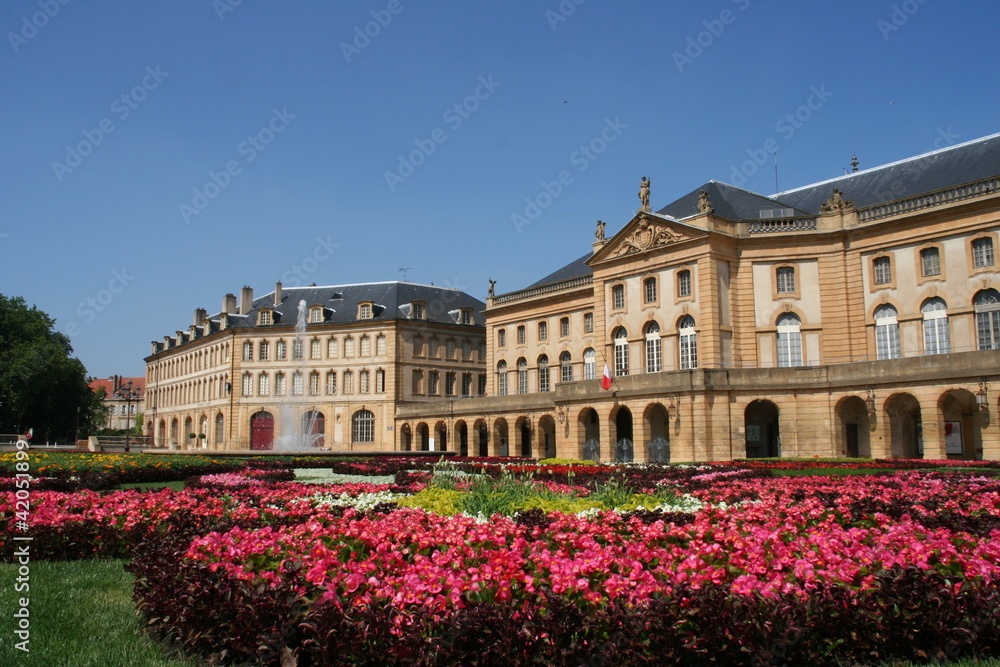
(379, 381)
(220, 428)
(314, 349)
(314, 383)
(264, 350)
(789, 341)
(501, 338)
(688, 343)
(247, 384)
(279, 384)
(331, 382)
(364, 382)
(543, 373)
(937, 335)
(366, 346)
(348, 382)
(363, 426)
(296, 383)
(886, 333)
(565, 367)
(621, 352)
(280, 350)
(543, 331)
(248, 351)
(331, 348)
(297, 350)
(649, 290)
(502, 378)
(380, 345)
(653, 361)
(589, 364)
(987, 306)
(522, 376)
(262, 382)
(349, 347)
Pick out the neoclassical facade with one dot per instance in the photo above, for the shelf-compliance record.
(856, 316)
(308, 367)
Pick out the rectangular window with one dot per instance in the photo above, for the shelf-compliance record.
(684, 283)
(588, 323)
(279, 384)
(543, 331)
(449, 349)
(314, 349)
(313, 384)
(316, 315)
(265, 317)
(466, 316)
(520, 335)
(380, 345)
(365, 311)
(502, 381)
(366, 346)
(482, 384)
(618, 297)
(883, 270)
(543, 378)
(264, 351)
(348, 347)
(297, 351)
(331, 383)
(501, 338)
(379, 382)
(280, 351)
(982, 253)
(331, 348)
(564, 327)
(930, 262)
(262, 385)
(363, 381)
(466, 384)
(418, 381)
(466, 350)
(786, 280)
(297, 384)
(432, 382)
(650, 290)
(449, 384)
(247, 351)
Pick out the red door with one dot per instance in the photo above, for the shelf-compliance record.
(262, 431)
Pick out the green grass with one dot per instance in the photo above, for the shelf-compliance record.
(82, 615)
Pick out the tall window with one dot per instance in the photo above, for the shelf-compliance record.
(247, 384)
(689, 343)
(449, 349)
(418, 381)
(331, 382)
(883, 270)
(502, 378)
(280, 350)
(449, 383)
(886, 333)
(248, 351)
(466, 350)
(365, 311)
(482, 384)
(279, 384)
(522, 376)
(501, 338)
(262, 387)
(366, 346)
(543, 331)
(786, 280)
(618, 297)
(789, 341)
(649, 290)
(314, 349)
(982, 253)
(467, 316)
(684, 283)
(543, 373)
(432, 348)
(987, 306)
(379, 381)
(930, 262)
(937, 336)
(588, 323)
(348, 347)
(520, 335)
(433, 378)
(364, 382)
(314, 383)
(348, 382)
(418, 311)
(466, 384)
(363, 426)
(331, 348)
(380, 345)
(297, 350)
(264, 350)
(296, 384)
(564, 327)
(653, 362)
(418, 346)
(621, 352)
(589, 364)
(565, 367)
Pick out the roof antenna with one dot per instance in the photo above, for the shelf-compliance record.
(776, 190)
(854, 162)
(404, 269)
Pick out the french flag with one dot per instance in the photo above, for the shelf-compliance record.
(607, 379)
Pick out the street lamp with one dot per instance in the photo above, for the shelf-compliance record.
(870, 400)
(130, 395)
(982, 400)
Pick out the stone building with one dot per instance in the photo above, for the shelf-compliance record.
(305, 367)
(124, 398)
(856, 316)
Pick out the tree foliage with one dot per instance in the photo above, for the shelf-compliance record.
(42, 386)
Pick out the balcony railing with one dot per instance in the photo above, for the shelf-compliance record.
(981, 188)
(779, 225)
(532, 292)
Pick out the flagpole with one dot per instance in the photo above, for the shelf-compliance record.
(614, 378)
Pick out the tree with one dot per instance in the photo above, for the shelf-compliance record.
(41, 385)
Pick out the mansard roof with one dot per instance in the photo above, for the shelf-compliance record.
(728, 201)
(574, 269)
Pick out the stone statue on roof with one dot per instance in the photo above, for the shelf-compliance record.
(599, 234)
(836, 202)
(644, 193)
(704, 205)
(493, 285)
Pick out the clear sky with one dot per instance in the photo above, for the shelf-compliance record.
(157, 155)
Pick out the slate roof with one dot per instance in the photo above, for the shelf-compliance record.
(575, 269)
(728, 201)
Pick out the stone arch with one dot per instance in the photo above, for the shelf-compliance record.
(547, 437)
(482, 437)
(405, 438)
(423, 437)
(589, 428)
(500, 437)
(522, 436)
(462, 437)
(853, 427)
(905, 426)
(656, 420)
(962, 425)
(761, 426)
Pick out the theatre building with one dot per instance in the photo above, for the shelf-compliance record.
(858, 316)
(313, 367)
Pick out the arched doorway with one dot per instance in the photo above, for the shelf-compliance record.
(440, 437)
(462, 433)
(547, 429)
(220, 429)
(406, 438)
(188, 432)
(500, 437)
(262, 431)
(761, 424)
(590, 429)
(657, 420)
(483, 438)
(203, 431)
(423, 437)
(624, 447)
(161, 433)
(963, 436)
(905, 428)
(523, 430)
(314, 429)
(174, 430)
(854, 427)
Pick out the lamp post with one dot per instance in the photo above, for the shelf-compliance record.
(982, 400)
(128, 394)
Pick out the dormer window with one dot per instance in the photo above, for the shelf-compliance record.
(316, 314)
(418, 310)
(365, 310)
(467, 316)
(264, 318)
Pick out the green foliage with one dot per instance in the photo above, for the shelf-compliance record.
(41, 385)
(435, 499)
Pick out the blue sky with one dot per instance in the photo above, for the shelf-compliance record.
(156, 156)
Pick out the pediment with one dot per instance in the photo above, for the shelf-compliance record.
(645, 233)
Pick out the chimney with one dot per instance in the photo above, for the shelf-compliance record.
(277, 294)
(246, 300)
(200, 315)
(229, 303)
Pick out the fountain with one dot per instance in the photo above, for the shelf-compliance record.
(298, 434)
